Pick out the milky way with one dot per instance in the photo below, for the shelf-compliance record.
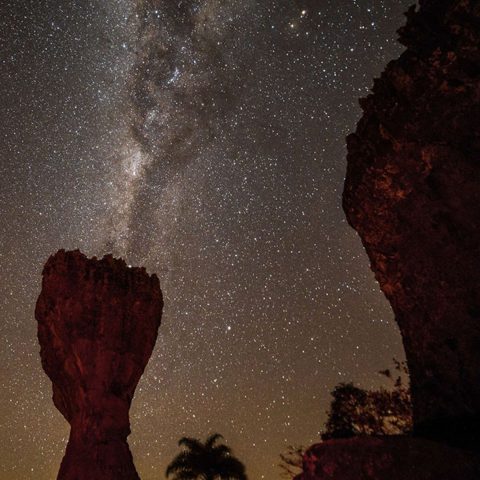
(204, 140)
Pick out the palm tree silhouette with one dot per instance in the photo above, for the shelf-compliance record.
(205, 461)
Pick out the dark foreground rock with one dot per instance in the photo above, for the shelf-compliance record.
(388, 458)
(97, 325)
(412, 192)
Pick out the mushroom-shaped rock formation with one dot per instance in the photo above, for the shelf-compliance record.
(412, 192)
(97, 326)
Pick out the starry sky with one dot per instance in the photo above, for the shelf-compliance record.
(204, 140)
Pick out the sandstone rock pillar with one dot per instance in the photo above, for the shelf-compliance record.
(97, 326)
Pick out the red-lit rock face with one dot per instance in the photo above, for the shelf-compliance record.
(97, 326)
(412, 192)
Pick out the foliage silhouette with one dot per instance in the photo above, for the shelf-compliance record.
(206, 461)
(291, 461)
(356, 411)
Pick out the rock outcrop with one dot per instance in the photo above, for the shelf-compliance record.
(97, 326)
(412, 192)
(387, 458)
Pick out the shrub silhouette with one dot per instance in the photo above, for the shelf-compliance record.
(356, 411)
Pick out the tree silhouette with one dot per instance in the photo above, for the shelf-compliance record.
(356, 411)
(206, 461)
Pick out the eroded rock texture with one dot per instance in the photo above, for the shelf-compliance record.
(412, 192)
(387, 458)
(97, 326)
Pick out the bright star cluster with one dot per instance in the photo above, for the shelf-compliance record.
(204, 140)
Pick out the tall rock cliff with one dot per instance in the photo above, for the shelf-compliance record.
(97, 326)
(412, 192)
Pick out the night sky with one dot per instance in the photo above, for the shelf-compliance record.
(204, 140)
